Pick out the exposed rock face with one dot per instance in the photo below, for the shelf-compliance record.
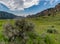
(50, 12)
(57, 7)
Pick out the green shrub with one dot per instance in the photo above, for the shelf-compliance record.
(52, 30)
(20, 33)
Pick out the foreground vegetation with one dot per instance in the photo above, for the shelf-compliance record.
(48, 23)
(46, 30)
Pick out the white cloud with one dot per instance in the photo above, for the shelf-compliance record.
(50, 2)
(53, 1)
(19, 4)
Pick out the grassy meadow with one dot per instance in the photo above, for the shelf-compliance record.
(42, 24)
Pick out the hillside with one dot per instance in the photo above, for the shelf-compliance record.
(6, 15)
(47, 12)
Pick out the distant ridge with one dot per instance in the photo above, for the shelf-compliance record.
(6, 15)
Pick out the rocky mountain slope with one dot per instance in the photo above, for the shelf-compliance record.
(48, 12)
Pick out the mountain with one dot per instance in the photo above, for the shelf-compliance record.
(6, 15)
(47, 12)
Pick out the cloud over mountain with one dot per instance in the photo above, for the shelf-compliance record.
(19, 4)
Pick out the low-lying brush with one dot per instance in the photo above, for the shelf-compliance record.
(52, 30)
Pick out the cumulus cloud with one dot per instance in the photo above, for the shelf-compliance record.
(19, 4)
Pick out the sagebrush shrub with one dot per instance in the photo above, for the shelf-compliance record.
(52, 30)
(20, 30)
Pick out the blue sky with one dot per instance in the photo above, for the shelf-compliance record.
(26, 7)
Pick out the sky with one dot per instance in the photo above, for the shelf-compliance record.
(26, 7)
